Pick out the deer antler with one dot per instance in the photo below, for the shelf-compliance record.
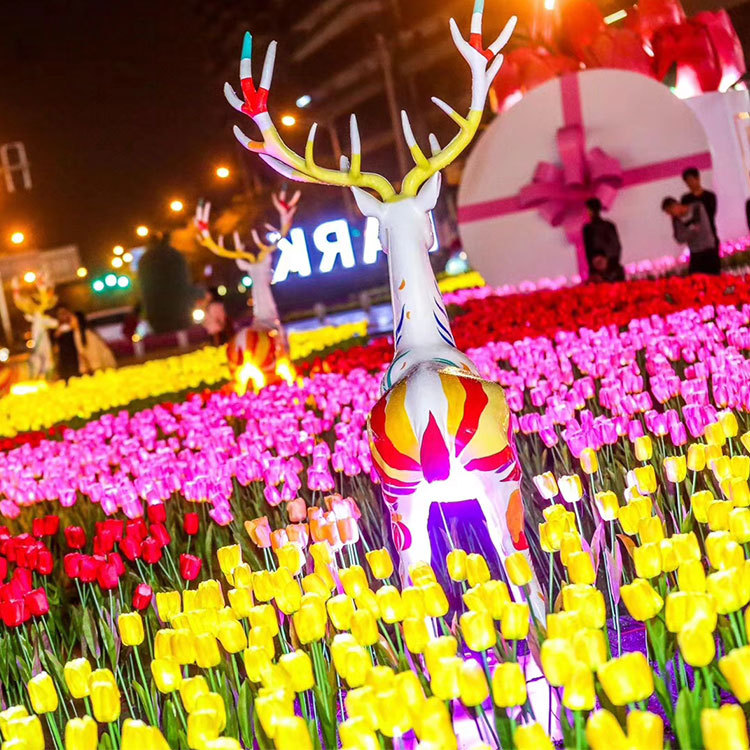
(276, 153)
(483, 63)
(286, 210)
(482, 76)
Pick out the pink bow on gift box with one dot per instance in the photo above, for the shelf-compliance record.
(559, 192)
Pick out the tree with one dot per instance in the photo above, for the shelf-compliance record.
(167, 292)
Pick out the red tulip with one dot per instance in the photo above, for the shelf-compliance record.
(72, 564)
(75, 537)
(136, 529)
(36, 602)
(151, 551)
(51, 525)
(131, 548)
(160, 533)
(44, 562)
(157, 513)
(3, 569)
(104, 541)
(107, 576)
(142, 596)
(13, 613)
(114, 559)
(190, 567)
(191, 524)
(89, 568)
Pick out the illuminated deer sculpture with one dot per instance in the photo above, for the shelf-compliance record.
(34, 301)
(260, 351)
(439, 433)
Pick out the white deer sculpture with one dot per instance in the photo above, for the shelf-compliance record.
(34, 301)
(439, 433)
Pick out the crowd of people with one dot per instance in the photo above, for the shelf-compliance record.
(693, 224)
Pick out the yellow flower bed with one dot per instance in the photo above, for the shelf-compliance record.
(85, 396)
(467, 280)
(304, 343)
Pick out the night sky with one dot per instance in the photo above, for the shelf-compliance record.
(119, 111)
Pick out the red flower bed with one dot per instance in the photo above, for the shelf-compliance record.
(543, 313)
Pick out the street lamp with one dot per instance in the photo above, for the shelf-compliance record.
(303, 101)
(17, 238)
(222, 172)
(82, 272)
(288, 121)
(176, 206)
(29, 277)
(128, 257)
(118, 249)
(116, 262)
(142, 230)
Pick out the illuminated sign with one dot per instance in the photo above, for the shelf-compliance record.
(333, 240)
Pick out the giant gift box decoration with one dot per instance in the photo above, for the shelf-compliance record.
(258, 353)
(439, 432)
(616, 135)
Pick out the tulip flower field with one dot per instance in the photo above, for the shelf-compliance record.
(216, 572)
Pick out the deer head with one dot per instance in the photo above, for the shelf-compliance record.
(405, 225)
(36, 299)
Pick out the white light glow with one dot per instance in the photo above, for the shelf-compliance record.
(618, 15)
(303, 101)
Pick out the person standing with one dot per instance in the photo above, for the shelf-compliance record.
(602, 245)
(65, 344)
(698, 194)
(93, 353)
(216, 321)
(691, 227)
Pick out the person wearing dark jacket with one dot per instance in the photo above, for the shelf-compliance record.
(602, 245)
(698, 194)
(65, 343)
(691, 227)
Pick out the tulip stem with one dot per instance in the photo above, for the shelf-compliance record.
(55, 731)
(149, 708)
(709, 684)
(551, 582)
(486, 720)
(579, 729)
(735, 629)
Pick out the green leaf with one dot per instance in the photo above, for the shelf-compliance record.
(682, 719)
(663, 694)
(228, 698)
(244, 713)
(569, 735)
(504, 729)
(109, 645)
(171, 725)
(87, 626)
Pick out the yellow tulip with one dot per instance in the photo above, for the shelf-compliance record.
(256, 660)
(603, 732)
(416, 634)
(739, 525)
(670, 559)
(578, 692)
(270, 708)
(229, 558)
(390, 604)
(340, 611)
(243, 576)
(264, 586)
(83, 734)
(381, 565)
(629, 518)
(190, 689)
(696, 457)
(642, 601)
(207, 653)
(643, 448)
(360, 704)
(290, 558)
(130, 626)
(651, 530)
(42, 694)
(645, 477)
(515, 622)
(563, 624)
(546, 485)
(557, 660)
(232, 637)
(645, 730)
(607, 504)
(183, 647)
(422, 574)
(590, 647)
(168, 604)
(478, 630)
(508, 685)
(696, 645)
(495, 596)
(456, 562)
(727, 589)
(357, 733)
(580, 568)
(105, 700)
(241, 601)
(570, 488)
(76, 674)
(589, 461)
(476, 569)
(587, 601)
(532, 737)
(292, 732)
(728, 422)
(735, 667)
(570, 542)
(354, 580)
(647, 559)
(675, 468)
(364, 628)
(298, 666)
(627, 679)
(310, 623)
(718, 515)
(473, 687)
(724, 728)
(167, 675)
(435, 601)
(202, 727)
(518, 569)
(25, 732)
(714, 434)
(210, 595)
(213, 703)
(445, 678)
(691, 576)
(409, 689)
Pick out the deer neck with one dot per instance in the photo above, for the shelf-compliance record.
(265, 311)
(420, 321)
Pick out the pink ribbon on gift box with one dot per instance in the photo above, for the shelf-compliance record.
(559, 191)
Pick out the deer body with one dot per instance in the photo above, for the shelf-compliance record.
(439, 433)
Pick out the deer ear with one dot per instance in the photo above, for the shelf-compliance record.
(429, 193)
(367, 204)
